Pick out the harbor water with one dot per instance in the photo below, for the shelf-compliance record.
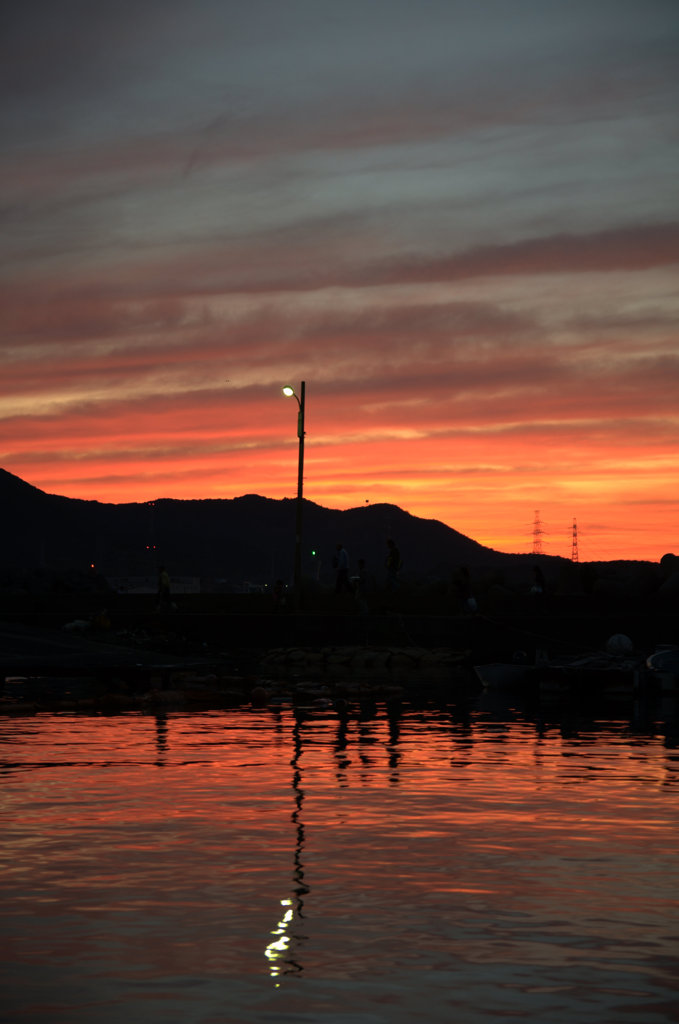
(390, 863)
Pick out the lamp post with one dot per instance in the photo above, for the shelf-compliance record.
(290, 393)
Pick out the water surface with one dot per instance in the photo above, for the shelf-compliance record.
(401, 864)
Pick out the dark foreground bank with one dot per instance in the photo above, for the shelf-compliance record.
(73, 652)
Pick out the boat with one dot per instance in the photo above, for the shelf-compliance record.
(612, 673)
(504, 675)
(664, 664)
(600, 676)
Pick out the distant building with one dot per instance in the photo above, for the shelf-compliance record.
(149, 584)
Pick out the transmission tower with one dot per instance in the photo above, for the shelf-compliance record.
(537, 534)
(574, 543)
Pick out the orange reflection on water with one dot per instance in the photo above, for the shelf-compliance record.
(263, 843)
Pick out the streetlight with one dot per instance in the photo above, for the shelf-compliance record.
(290, 393)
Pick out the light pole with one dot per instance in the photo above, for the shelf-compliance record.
(290, 393)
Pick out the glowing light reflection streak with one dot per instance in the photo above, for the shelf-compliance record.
(277, 952)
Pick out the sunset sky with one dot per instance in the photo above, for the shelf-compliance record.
(456, 220)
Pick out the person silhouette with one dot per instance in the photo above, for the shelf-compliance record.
(164, 594)
(393, 564)
(539, 588)
(341, 564)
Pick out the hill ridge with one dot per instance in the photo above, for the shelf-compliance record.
(249, 536)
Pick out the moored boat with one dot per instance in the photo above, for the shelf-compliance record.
(613, 673)
(664, 664)
(504, 675)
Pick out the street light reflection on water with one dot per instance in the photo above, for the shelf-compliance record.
(506, 865)
(278, 952)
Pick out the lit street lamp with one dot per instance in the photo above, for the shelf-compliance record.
(290, 393)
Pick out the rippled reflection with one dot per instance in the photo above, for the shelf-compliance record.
(505, 864)
(276, 951)
(280, 952)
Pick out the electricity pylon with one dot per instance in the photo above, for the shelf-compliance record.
(537, 534)
(574, 543)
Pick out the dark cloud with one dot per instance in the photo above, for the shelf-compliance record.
(627, 248)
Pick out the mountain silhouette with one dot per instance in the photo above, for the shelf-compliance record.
(232, 539)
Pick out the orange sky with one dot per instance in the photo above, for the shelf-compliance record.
(465, 241)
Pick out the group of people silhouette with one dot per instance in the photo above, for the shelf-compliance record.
(358, 583)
